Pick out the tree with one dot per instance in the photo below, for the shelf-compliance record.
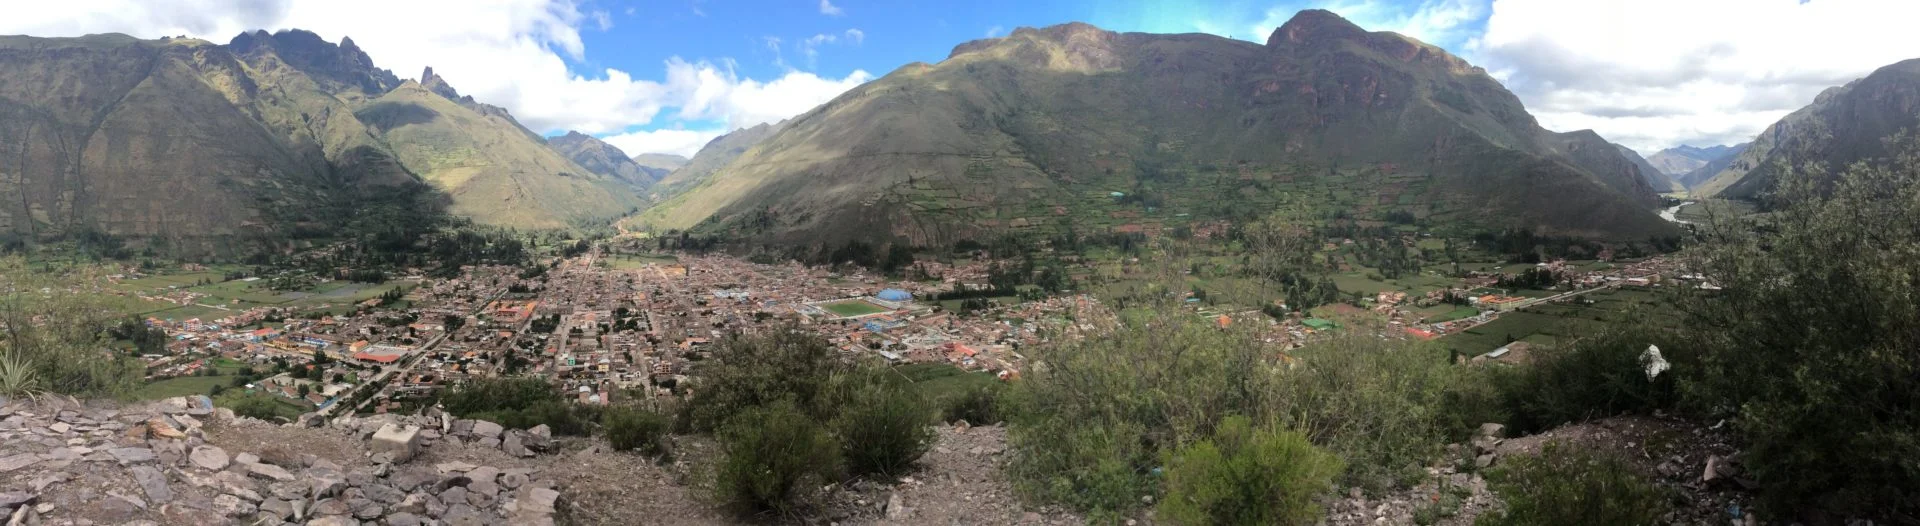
(1813, 339)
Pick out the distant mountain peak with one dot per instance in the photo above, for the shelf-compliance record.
(344, 63)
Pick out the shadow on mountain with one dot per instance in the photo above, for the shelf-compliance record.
(389, 115)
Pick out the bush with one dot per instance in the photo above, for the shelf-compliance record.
(519, 403)
(1566, 485)
(882, 429)
(772, 456)
(67, 356)
(975, 406)
(1812, 343)
(1244, 476)
(1596, 376)
(255, 407)
(755, 371)
(633, 428)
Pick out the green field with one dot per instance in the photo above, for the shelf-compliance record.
(632, 261)
(1556, 322)
(851, 308)
(282, 407)
(190, 385)
(939, 382)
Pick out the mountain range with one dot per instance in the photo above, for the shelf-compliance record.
(1074, 128)
(1844, 124)
(203, 146)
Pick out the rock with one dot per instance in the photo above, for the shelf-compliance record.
(454, 467)
(246, 458)
(539, 500)
(366, 509)
(279, 508)
(210, 458)
(325, 507)
(454, 495)
(896, 509)
(18, 461)
(232, 506)
(325, 482)
(335, 520)
(1485, 444)
(396, 440)
(269, 471)
(1712, 471)
(131, 455)
(1483, 461)
(60, 428)
(159, 427)
(172, 406)
(485, 429)
(513, 480)
(1492, 430)
(514, 445)
(13, 499)
(483, 473)
(403, 519)
(540, 438)
(153, 483)
(383, 493)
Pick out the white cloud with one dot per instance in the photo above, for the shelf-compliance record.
(513, 53)
(1656, 73)
(827, 8)
(996, 31)
(679, 142)
(856, 36)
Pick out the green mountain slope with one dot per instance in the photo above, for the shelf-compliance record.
(715, 155)
(201, 148)
(599, 157)
(1073, 127)
(1843, 125)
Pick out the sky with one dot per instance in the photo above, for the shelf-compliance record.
(666, 76)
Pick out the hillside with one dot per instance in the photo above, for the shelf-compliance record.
(203, 148)
(717, 154)
(1655, 177)
(1843, 125)
(1713, 166)
(1684, 158)
(602, 158)
(1074, 127)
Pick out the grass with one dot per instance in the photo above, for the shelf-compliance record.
(851, 308)
(191, 385)
(940, 382)
(283, 408)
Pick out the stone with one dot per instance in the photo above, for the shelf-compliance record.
(60, 428)
(232, 506)
(486, 473)
(159, 427)
(210, 458)
(324, 507)
(1483, 461)
(513, 480)
(18, 461)
(485, 429)
(515, 444)
(269, 471)
(383, 493)
(454, 467)
(410, 479)
(323, 482)
(12, 499)
(246, 458)
(454, 495)
(896, 509)
(415, 503)
(131, 455)
(279, 508)
(153, 482)
(366, 509)
(540, 500)
(480, 500)
(1492, 430)
(333, 521)
(403, 519)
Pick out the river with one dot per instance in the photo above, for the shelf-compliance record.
(1672, 213)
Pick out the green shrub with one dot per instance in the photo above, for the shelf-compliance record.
(257, 407)
(17, 377)
(772, 456)
(1567, 485)
(758, 370)
(69, 355)
(1387, 408)
(520, 403)
(632, 428)
(1595, 376)
(1247, 476)
(976, 406)
(882, 429)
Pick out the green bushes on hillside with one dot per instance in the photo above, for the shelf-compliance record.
(519, 403)
(1248, 476)
(1570, 485)
(54, 332)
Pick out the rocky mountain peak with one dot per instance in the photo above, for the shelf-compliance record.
(344, 63)
(1315, 25)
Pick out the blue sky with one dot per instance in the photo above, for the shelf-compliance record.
(669, 75)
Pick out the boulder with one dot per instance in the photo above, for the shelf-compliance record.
(402, 443)
(234, 507)
(18, 461)
(269, 471)
(485, 429)
(131, 455)
(515, 445)
(1492, 430)
(210, 458)
(153, 483)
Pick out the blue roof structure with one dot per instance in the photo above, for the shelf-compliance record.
(894, 295)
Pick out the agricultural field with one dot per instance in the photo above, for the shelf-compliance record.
(938, 382)
(238, 295)
(1557, 322)
(633, 261)
(191, 385)
(852, 308)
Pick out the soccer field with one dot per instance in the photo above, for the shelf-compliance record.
(851, 308)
